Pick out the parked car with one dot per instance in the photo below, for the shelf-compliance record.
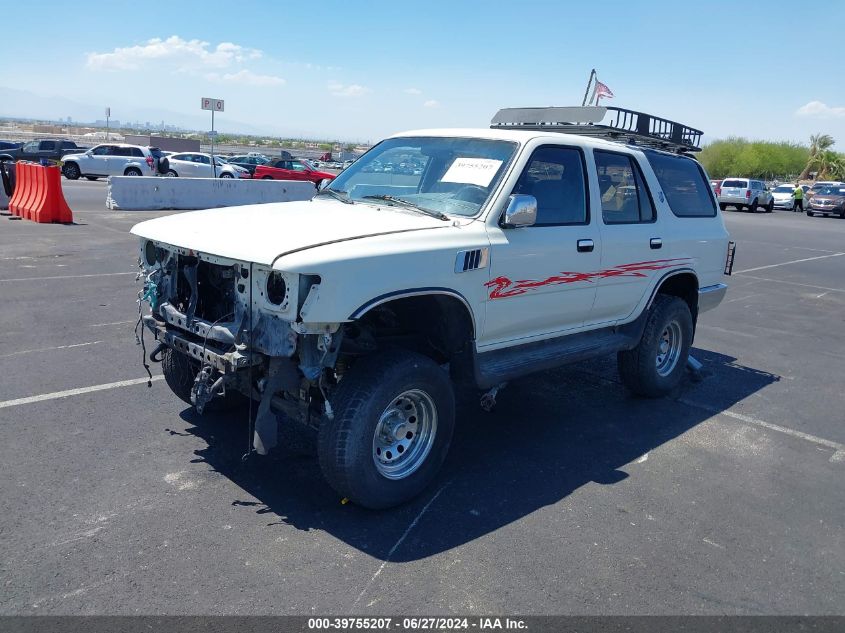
(248, 161)
(373, 300)
(716, 186)
(296, 169)
(114, 159)
(828, 200)
(52, 150)
(783, 196)
(818, 185)
(198, 165)
(745, 193)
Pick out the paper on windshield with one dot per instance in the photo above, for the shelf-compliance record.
(472, 171)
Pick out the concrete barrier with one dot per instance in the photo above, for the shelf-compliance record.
(143, 193)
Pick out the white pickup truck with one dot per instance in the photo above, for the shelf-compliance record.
(505, 251)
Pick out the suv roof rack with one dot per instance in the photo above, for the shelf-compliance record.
(629, 126)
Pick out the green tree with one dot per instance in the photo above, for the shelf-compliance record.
(828, 165)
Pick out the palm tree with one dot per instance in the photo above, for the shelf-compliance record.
(827, 164)
(818, 143)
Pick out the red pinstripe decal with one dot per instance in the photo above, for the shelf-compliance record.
(502, 287)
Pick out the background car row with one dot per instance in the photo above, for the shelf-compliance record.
(823, 197)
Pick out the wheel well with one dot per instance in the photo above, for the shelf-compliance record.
(438, 326)
(683, 286)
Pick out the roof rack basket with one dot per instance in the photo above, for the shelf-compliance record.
(628, 126)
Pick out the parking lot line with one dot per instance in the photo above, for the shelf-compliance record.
(49, 349)
(796, 283)
(133, 272)
(839, 454)
(794, 261)
(76, 392)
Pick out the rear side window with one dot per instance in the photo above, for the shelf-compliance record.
(625, 199)
(729, 184)
(684, 185)
(48, 145)
(136, 151)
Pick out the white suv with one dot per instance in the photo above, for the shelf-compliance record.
(349, 317)
(112, 159)
(198, 165)
(745, 193)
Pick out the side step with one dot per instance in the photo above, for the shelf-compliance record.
(494, 368)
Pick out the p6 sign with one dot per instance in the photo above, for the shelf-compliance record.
(208, 103)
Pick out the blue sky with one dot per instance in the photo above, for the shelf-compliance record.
(363, 70)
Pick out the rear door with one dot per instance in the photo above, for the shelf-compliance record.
(635, 242)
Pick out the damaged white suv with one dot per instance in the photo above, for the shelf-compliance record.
(494, 253)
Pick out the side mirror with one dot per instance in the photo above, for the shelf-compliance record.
(521, 211)
(323, 184)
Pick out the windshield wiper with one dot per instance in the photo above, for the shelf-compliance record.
(410, 205)
(337, 195)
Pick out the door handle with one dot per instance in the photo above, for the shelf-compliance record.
(585, 246)
(655, 243)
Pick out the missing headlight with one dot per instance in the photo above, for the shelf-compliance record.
(150, 253)
(277, 289)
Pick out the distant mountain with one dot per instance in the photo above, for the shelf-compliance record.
(25, 104)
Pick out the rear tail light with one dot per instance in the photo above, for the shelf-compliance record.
(748, 193)
(718, 191)
(150, 161)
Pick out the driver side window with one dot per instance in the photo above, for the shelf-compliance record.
(555, 177)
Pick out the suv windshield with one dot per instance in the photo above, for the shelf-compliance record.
(438, 174)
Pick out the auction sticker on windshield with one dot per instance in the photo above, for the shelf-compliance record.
(472, 171)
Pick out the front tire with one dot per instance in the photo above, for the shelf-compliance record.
(71, 171)
(394, 414)
(179, 373)
(810, 213)
(656, 365)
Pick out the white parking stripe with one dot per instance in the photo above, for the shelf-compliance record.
(836, 446)
(72, 276)
(113, 323)
(49, 349)
(795, 283)
(76, 392)
(794, 261)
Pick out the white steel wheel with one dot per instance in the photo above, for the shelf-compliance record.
(404, 434)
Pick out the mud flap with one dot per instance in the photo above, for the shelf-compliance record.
(281, 374)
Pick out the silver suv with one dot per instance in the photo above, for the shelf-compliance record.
(745, 193)
(113, 159)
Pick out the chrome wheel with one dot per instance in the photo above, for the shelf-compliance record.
(405, 434)
(669, 348)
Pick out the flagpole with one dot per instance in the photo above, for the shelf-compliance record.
(587, 91)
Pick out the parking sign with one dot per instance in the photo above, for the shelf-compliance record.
(215, 105)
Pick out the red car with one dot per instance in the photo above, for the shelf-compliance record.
(286, 169)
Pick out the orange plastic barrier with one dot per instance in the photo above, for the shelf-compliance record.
(38, 194)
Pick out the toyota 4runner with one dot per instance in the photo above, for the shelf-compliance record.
(348, 319)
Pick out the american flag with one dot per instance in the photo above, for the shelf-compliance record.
(602, 91)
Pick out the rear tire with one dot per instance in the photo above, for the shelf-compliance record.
(656, 365)
(92, 178)
(132, 171)
(171, 174)
(394, 414)
(267, 178)
(810, 213)
(226, 176)
(723, 206)
(71, 171)
(738, 207)
(753, 207)
(770, 207)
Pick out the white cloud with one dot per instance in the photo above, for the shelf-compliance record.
(180, 54)
(820, 110)
(351, 90)
(412, 91)
(246, 78)
(431, 103)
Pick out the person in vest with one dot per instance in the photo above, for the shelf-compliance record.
(798, 199)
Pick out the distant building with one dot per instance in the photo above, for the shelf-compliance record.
(167, 143)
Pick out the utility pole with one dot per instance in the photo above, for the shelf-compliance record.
(215, 105)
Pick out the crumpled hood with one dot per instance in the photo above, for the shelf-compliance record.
(260, 233)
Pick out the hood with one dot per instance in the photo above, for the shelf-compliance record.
(260, 233)
(819, 197)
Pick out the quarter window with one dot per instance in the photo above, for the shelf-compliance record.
(625, 198)
(685, 185)
(555, 177)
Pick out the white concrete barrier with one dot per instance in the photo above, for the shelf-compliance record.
(136, 193)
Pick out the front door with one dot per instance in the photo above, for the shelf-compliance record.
(540, 280)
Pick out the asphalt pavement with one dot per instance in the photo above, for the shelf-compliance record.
(571, 497)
